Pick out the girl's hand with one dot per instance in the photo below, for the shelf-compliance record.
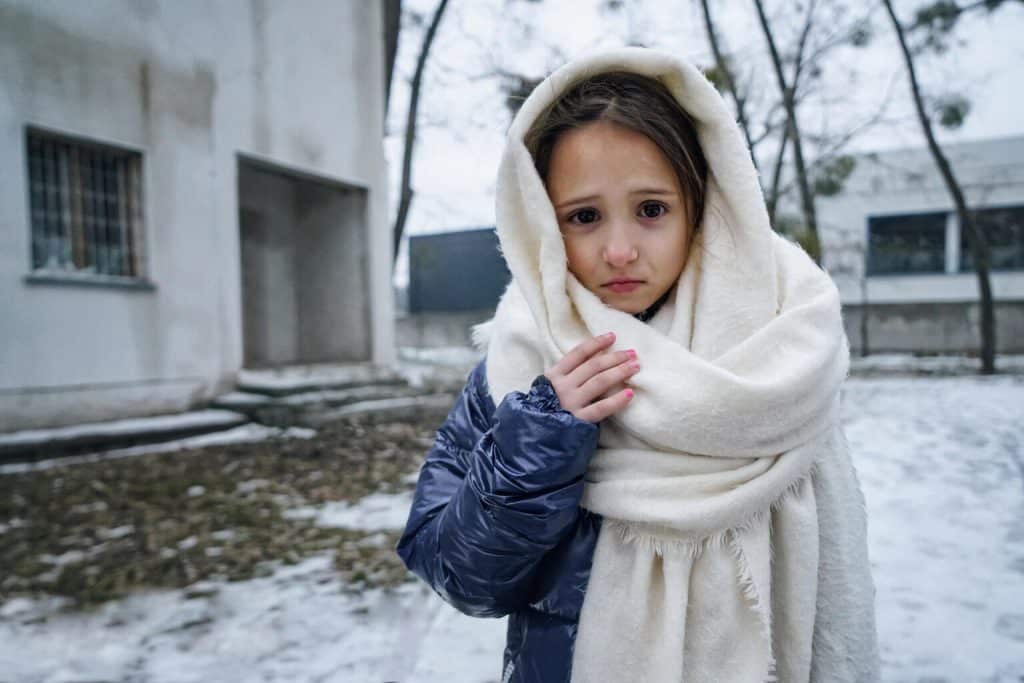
(585, 377)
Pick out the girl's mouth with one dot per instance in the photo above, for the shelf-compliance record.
(623, 285)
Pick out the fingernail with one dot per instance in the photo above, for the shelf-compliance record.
(609, 335)
(629, 393)
(634, 366)
(631, 353)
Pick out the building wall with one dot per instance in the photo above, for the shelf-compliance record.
(932, 312)
(932, 328)
(192, 85)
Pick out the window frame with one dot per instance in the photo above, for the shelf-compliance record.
(962, 239)
(136, 223)
(945, 261)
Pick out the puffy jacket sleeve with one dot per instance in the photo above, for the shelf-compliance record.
(499, 489)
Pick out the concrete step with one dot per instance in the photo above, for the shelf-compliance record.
(293, 409)
(408, 407)
(299, 379)
(244, 401)
(37, 444)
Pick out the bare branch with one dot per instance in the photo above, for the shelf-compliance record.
(975, 238)
(792, 128)
(730, 81)
(405, 198)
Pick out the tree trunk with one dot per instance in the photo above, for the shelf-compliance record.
(975, 238)
(865, 312)
(789, 105)
(730, 82)
(392, 27)
(773, 189)
(405, 191)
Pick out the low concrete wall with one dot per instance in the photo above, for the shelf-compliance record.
(905, 328)
(433, 330)
(932, 328)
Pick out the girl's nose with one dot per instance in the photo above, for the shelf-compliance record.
(619, 251)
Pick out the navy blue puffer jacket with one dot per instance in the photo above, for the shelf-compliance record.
(496, 527)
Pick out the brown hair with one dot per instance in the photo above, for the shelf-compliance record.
(637, 102)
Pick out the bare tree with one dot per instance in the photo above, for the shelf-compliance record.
(787, 89)
(392, 26)
(975, 238)
(724, 73)
(807, 56)
(405, 189)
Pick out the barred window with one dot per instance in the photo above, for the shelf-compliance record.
(912, 243)
(85, 201)
(1004, 230)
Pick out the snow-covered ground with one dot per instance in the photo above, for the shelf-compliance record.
(941, 461)
(900, 363)
(297, 625)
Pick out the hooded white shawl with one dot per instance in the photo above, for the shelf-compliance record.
(706, 567)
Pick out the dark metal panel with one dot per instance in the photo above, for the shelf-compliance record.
(456, 271)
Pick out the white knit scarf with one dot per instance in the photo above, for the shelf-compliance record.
(706, 565)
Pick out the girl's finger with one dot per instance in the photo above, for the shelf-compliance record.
(581, 352)
(606, 407)
(599, 363)
(599, 384)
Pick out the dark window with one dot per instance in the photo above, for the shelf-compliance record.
(86, 207)
(1004, 230)
(912, 243)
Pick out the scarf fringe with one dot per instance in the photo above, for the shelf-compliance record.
(649, 538)
(694, 548)
(764, 613)
(480, 335)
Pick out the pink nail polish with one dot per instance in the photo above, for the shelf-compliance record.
(629, 393)
(631, 353)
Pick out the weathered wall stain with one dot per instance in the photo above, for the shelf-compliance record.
(90, 70)
(261, 137)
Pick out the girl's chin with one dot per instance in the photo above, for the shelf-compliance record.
(627, 304)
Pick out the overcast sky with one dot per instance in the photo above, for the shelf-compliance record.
(463, 116)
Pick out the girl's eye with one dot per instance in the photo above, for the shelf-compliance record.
(652, 209)
(583, 216)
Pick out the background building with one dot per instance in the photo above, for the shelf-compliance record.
(186, 189)
(455, 282)
(893, 245)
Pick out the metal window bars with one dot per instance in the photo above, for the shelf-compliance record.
(86, 207)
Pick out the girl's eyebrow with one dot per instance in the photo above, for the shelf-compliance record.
(641, 190)
(652, 190)
(577, 200)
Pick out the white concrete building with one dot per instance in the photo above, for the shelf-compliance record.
(893, 245)
(187, 188)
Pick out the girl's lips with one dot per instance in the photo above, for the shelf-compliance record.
(623, 286)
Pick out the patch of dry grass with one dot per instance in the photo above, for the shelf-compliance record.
(97, 531)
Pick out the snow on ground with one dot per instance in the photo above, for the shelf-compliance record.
(296, 625)
(196, 419)
(375, 512)
(941, 464)
(242, 434)
(902, 363)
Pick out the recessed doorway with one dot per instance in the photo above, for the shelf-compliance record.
(305, 295)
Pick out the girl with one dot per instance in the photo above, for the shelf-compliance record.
(647, 471)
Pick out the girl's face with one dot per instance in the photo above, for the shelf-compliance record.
(622, 214)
